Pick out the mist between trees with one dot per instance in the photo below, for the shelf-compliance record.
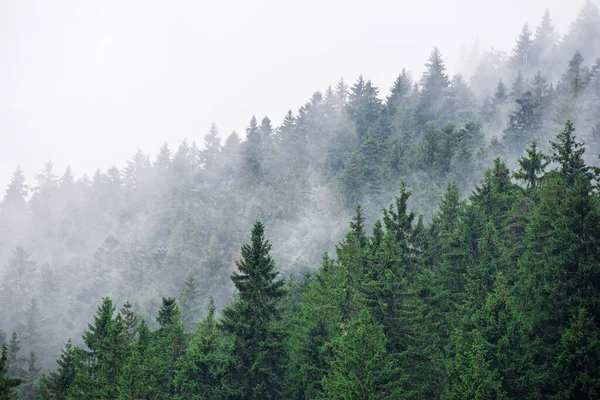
(491, 276)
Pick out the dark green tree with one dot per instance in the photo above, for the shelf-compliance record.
(57, 384)
(253, 322)
(7, 383)
(568, 154)
(532, 167)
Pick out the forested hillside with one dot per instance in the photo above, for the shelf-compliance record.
(471, 268)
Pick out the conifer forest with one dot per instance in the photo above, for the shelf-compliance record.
(437, 241)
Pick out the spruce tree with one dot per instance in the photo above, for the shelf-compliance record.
(532, 167)
(433, 102)
(189, 300)
(500, 94)
(57, 384)
(253, 322)
(360, 366)
(167, 348)
(7, 383)
(568, 154)
(203, 367)
(523, 58)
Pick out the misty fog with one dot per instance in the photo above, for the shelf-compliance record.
(141, 143)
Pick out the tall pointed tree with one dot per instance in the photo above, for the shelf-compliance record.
(7, 383)
(253, 321)
(532, 167)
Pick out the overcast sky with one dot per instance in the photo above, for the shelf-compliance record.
(85, 83)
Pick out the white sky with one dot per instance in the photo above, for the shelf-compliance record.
(84, 83)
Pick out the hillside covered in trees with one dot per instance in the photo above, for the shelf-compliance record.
(471, 268)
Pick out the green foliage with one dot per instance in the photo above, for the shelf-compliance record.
(360, 367)
(253, 322)
(57, 384)
(7, 383)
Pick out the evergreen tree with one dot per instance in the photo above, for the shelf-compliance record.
(106, 352)
(31, 325)
(584, 32)
(136, 380)
(518, 86)
(523, 57)
(574, 80)
(189, 300)
(544, 44)
(399, 92)
(364, 107)
(253, 149)
(539, 88)
(500, 93)
(360, 367)
(433, 103)
(253, 322)
(16, 284)
(7, 383)
(28, 389)
(568, 153)
(578, 362)
(532, 167)
(57, 384)
(524, 124)
(209, 156)
(203, 367)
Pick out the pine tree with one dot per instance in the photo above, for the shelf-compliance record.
(16, 286)
(433, 103)
(7, 383)
(129, 318)
(57, 384)
(253, 320)
(584, 32)
(524, 124)
(574, 80)
(189, 300)
(399, 92)
(578, 363)
(253, 149)
(167, 348)
(500, 93)
(539, 88)
(360, 367)
(532, 167)
(107, 345)
(31, 325)
(518, 86)
(46, 178)
(136, 378)
(365, 108)
(28, 390)
(212, 147)
(544, 44)
(568, 153)
(203, 367)
(163, 158)
(523, 57)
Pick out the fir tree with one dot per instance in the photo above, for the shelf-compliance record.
(523, 57)
(433, 103)
(203, 367)
(189, 300)
(568, 153)
(532, 167)
(57, 384)
(7, 383)
(253, 319)
(500, 93)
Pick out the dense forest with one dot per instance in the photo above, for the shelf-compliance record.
(442, 241)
